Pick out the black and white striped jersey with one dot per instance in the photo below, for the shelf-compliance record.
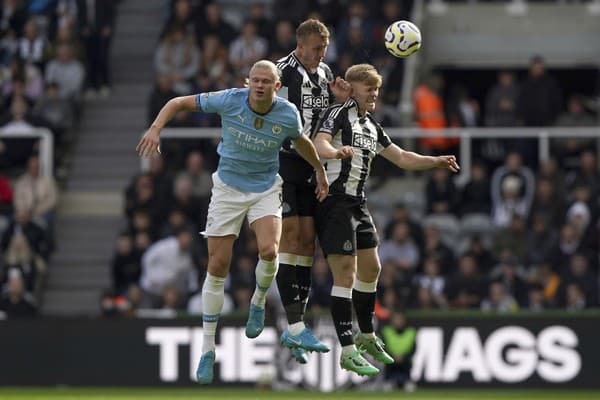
(367, 137)
(309, 92)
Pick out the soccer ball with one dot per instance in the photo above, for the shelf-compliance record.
(402, 38)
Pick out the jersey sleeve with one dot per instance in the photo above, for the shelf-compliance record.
(213, 102)
(330, 122)
(383, 140)
(296, 130)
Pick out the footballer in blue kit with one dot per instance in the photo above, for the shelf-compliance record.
(255, 122)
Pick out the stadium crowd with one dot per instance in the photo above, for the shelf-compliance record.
(517, 235)
(53, 56)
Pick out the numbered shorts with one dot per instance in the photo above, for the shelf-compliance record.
(344, 225)
(229, 206)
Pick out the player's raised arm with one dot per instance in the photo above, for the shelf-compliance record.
(414, 161)
(149, 144)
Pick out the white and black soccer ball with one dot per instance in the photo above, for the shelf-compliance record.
(402, 38)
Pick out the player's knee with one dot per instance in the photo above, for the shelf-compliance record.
(268, 252)
(218, 266)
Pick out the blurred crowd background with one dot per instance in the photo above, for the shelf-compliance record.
(518, 235)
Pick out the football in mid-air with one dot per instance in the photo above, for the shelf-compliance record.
(402, 38)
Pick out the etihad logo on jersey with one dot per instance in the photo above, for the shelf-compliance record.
(252, 142)
(364, 142)
(310, 101)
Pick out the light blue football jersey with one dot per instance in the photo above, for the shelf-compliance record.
(249, 148)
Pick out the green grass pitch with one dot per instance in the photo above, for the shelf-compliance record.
(256, 394)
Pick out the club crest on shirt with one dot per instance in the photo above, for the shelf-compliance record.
(276, 129)
(258, 123)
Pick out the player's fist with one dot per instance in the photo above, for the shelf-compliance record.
(448, 162)
(344, 152)
(341, 89)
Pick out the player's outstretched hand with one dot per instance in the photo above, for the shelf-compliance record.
(149, 144)
(322, 189)
(448, 162)
(340, 88)
(344, 152)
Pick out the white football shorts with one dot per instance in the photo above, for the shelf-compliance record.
(229, 206)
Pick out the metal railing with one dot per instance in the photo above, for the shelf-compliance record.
(465, 151)
(46, 148)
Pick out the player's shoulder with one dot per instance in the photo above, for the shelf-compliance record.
(373, 120)
(285, 106)
(288, 62)
(326, 69)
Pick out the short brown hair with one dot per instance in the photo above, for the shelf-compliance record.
(310, 27)
(363, 73)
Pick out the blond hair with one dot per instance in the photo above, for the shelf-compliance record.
(364, 73)
(311, 27)
(266, 64)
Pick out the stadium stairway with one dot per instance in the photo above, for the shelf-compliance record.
(104, 160)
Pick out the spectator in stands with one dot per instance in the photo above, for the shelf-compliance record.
(548, 279)
(33, 46)
(178, 57)
(142, 221)
(548, 203)
(578, 272)
(465, 287)
(539, 101)
(541, 239)
(247, 48)
(56, 111)
(125, 264)
(433, 246)
(513, 187)
(511, 274)
(96, 25)
(569, 243)
(13, 15)
(356, 22)
(586, 174)
(66, 72)
(498, 299)
(169, 262)
(215, 62)
(195, 208)
(501, 102)
(475, 196)
(283, 41)
(140, 195)
(441, 193)
(535, 298)
(36, 192)
(258, 15)
(575, 298)
(67, 34)
(400, 251)
(198, 176)
(400, 214)
(433, 281)
(22, 225)
(214, 24)
(429, 114)
(463, 110)
(16, 302)
(485, 258)
(512, 237)
(182, 13)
